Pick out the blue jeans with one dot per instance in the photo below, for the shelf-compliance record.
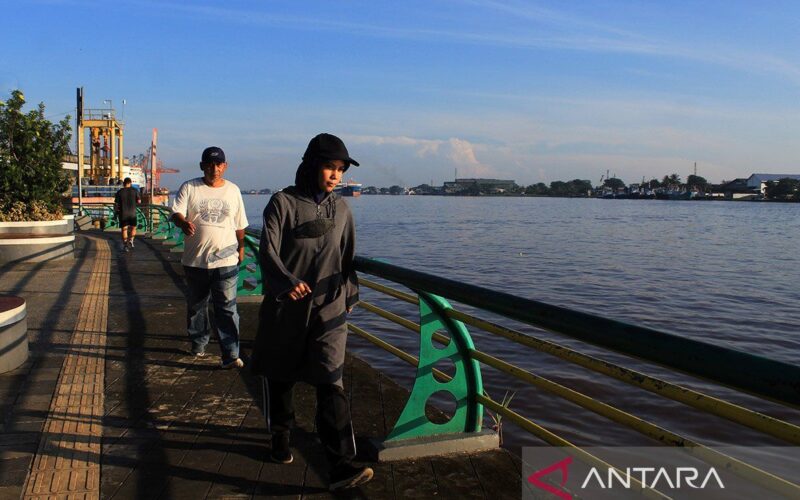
(220, 286)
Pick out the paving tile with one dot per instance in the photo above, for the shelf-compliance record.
(115, 407)
(67, 462)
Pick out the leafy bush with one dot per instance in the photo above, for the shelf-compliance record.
(17, 211)
(31, 150)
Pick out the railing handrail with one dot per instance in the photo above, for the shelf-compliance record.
(748, 372)
(744, 371)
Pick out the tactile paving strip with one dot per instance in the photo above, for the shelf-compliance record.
(67, 463)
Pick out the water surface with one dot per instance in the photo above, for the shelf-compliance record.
(721, 272)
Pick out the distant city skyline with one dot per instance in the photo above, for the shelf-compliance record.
(531, 91)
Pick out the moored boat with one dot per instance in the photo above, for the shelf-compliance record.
(348, 188)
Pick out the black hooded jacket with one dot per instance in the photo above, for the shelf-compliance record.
(303, 240)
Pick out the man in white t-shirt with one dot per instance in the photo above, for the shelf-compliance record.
(210, 212)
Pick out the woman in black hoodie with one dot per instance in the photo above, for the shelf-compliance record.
(306, 256)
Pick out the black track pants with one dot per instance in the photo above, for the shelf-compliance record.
(334, 425)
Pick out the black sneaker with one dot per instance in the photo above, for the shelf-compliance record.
(281, 454)
(349, 476)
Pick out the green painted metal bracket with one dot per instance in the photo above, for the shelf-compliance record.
(250, 282)
(163, 229)
(141, 220)
(465, 385)
(112, 222)
(163, 226)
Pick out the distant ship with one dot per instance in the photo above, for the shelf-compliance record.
(104, 190)
(348, 188)
(104, 169)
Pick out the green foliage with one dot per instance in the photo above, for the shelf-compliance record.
(575, 187)
(17, 211)
(696, 180)
(581, 187)
(614, 183)
(539, 189)
(31, 150)
(673, 181)
(559, 188)
(785, 188)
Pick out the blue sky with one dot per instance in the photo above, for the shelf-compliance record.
(532, 91)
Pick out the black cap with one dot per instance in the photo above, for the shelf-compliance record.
(213, 155)
(328, 147)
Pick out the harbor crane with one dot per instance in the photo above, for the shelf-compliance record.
(143, 162)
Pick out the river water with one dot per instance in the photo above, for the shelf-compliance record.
(721, 272)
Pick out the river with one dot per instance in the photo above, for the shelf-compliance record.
(726, 273)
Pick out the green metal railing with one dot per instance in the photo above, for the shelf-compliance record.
(444, 339)
(250, 283)
(766, 378)
(105, 212)
(156, 221)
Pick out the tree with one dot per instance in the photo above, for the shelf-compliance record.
(539, 189)
(653, 183)
(31, 150)
(559, 188)
(614, 183)
(696, 181)
(784, 188)
(396, 190)
(580, 187)
(674, 180)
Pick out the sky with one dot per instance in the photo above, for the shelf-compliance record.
(419, 90)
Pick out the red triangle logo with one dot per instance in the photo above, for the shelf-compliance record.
(563, 466)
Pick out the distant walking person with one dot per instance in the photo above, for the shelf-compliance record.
(210, 212)
(125, 202)
(306, 256)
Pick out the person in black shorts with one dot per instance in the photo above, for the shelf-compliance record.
(125, 202)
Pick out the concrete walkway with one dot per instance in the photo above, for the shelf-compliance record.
(111, 405)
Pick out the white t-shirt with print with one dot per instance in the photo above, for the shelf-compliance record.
(216, 212)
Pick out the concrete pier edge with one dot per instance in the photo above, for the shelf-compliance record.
(436, 446)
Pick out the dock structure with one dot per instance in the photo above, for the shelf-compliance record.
(111, 404)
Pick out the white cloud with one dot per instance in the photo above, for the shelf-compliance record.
(453, 152)
(569, 33)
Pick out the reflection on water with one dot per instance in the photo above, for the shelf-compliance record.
(721, 272)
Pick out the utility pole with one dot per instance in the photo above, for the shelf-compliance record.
(152, 174)
(79, 145)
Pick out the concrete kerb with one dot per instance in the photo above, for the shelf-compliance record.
(13, 333)
(435, 446)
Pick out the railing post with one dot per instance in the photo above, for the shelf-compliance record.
(111, 217)
(250, 281)
(141, 220)
(464, 386)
